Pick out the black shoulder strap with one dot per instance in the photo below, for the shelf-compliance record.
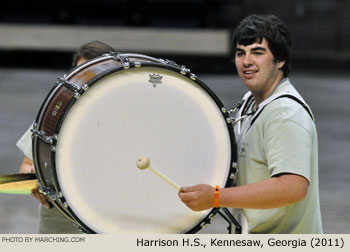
(278, 96)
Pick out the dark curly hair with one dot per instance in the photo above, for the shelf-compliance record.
(91, 50)
(255, 28)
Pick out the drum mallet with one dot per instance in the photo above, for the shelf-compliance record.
(143, 163)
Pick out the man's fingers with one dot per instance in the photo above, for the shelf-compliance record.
(36, 194)
(187, 196)
(190, 188)
(187, 189)
(198, 197)
(41, 198)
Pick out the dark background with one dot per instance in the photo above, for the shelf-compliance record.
(319, 27)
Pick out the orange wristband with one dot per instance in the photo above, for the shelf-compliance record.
(216, 196)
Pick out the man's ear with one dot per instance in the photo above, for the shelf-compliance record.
(280, 64)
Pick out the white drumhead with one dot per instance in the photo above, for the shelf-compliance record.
(122, 116)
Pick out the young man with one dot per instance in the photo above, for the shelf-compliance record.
(51, 220)
(277, 179)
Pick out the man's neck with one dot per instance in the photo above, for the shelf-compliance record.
(261, 96)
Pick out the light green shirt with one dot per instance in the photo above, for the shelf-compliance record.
(282, 139)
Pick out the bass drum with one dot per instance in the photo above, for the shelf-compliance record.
(99, 118)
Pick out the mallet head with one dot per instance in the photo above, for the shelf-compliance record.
(142, 162)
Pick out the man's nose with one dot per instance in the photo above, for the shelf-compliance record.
(247, 60)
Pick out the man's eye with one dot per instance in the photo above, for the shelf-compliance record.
(258, 53)
(239, 54)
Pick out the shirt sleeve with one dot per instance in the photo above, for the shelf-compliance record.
(25, 143)
(288, 147)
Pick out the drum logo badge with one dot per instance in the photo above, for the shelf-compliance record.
(155, 79)
(56, 108)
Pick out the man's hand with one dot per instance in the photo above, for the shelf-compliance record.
(199, 197)
(27, 166)
(41, 198)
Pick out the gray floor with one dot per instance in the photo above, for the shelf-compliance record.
(23, 90)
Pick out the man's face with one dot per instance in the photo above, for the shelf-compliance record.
(258, 69)
(81, 61)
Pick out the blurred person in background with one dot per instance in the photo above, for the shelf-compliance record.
(51, 221)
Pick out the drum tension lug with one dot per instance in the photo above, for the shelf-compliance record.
(125, 60)
(224, 110)
(170, 62)
(66, 83)
(234, 170)
(233, 176)
(203, 225)
(230, 120)
(117, 56)
(234, 166)
(76, 88)
(85, 87)
(184, 70)
(208, 221)
(126, 65)
(49, 191)
(42, 136)
(234, 120)
(51, 140)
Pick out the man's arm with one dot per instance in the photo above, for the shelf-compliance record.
(274, 192)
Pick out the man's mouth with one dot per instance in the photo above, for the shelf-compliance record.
(249, 73)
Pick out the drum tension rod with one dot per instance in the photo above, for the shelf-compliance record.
(170, 63)
(53, 194)
(233, 172)
(231, 119)
(42, 136)
(49, 191)
(224, 110)
(66, 83)
(118, 57)
(76, 88)
(184, 70)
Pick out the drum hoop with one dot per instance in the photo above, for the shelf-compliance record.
(106, 57)
(229, 181)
